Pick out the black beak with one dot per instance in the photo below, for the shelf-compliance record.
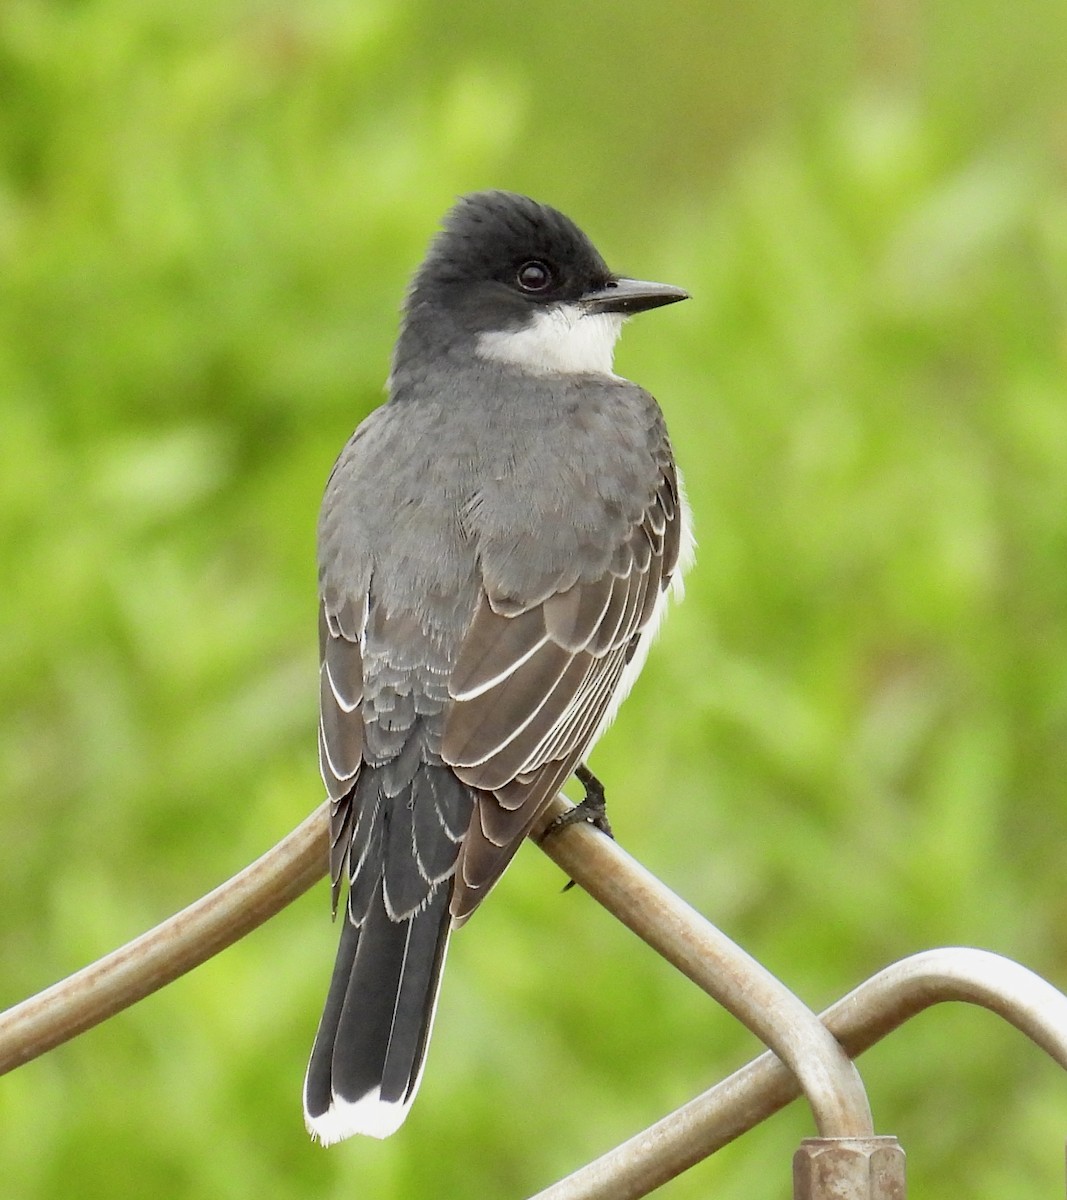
(629, 296)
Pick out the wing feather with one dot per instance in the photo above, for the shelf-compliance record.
(533, 683)
(340, 723)
(485, 727)
(573, 617)
(511, 759)
(520, 723)
(341, 738)
(492, 650)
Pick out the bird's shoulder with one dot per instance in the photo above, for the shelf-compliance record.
(540, 481)
(585, 467)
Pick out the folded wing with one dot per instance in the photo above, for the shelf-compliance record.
(533, 686)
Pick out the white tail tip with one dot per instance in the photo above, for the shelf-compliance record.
(370, 1115)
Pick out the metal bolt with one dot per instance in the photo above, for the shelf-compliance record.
(860, 1168)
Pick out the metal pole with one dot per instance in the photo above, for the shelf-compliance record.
(829, 1080)
(173, 947)
(764, 1086)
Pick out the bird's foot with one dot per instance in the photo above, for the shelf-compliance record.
(593, 810)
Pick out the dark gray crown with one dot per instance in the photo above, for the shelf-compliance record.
(488, 236)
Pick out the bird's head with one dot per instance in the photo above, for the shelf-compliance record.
(518, 282)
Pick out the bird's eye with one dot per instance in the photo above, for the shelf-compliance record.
(534, 276)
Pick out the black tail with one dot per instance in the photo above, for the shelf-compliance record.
(367, 1059)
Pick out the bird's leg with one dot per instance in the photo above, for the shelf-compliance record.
(593, 809)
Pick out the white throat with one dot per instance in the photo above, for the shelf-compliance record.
(563, 339)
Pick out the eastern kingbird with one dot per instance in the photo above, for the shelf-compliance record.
(496, 546)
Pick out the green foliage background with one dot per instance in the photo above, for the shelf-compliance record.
(851, 742)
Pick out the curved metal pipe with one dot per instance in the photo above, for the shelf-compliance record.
(828, 1079)
(859, 1020)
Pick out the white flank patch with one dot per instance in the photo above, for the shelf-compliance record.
(687, 543)
(562, 339)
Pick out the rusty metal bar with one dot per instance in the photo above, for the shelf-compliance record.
(239, 905)
(173, 947)
(1014, 992)
(859, 1020)
(668, 1147)
(829, 1080)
